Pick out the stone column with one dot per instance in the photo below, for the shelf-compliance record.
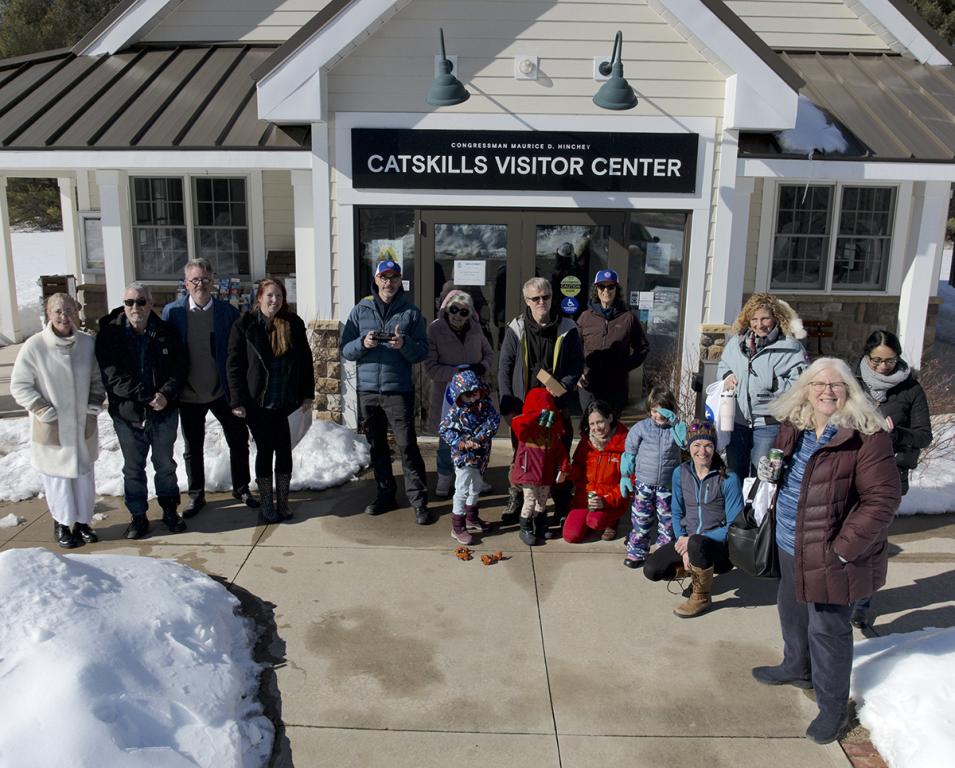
(9, 310)
(324, 337)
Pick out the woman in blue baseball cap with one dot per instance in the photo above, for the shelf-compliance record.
(614, 344)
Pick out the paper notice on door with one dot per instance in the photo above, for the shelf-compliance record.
(646, 300)
(469, 272)
(658, 258)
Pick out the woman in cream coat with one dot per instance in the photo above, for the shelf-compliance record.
(57, 380)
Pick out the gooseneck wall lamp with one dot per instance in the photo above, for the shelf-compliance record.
(446, 90)
(616, 93)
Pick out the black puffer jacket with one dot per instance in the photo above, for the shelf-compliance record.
(118, 361)
(907, 406)
(250, 358)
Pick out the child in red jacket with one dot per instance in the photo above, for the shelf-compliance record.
(541, 459)
(597, 504)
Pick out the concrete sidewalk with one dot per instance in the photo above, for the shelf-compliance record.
(388, 651)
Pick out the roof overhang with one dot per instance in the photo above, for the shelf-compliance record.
(124, 25)
(38, 162)
(836, 169)
(903, 29)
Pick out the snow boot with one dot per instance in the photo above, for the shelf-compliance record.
(64, 536)
(282, 483)
(472, 521)
(383, 502)
(515, 500)
(779, 676)
(442, 489)
(459, 530)
(84, 532)
(541, 530)
(170, 516)
(827, 727)
(138, 527)
(527, 531)
(267, 512)
(699, 601)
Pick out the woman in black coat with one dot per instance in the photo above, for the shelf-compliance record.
(270, 374)
(890, 384)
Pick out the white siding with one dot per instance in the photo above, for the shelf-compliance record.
(248, 20)
(813, 25)
(752, 239)
(392, 69)
(279, 214)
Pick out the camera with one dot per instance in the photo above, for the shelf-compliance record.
(382, 337)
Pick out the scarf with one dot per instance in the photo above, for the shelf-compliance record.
(750, 343)
(877, 385)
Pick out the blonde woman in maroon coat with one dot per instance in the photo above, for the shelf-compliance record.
(837, 494)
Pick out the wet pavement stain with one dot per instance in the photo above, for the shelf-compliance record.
(288, 553)
(367, 642)
(279, 569)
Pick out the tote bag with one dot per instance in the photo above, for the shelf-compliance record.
(752, 544)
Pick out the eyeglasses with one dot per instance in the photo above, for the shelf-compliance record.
(877, 361)
(538, 299)
(135, 302)
(606, 286)
(388, 278)
(197, 281)
(464, 311)
(822, 386)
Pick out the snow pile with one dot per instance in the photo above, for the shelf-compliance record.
(932, 483)
(814, 131)
(905, 689)
(11, 521)
(111, 660)
(35, 254)
(328, 455)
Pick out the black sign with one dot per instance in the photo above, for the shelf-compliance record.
(524, 160)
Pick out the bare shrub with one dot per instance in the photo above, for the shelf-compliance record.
(939, 385)
(664, 368)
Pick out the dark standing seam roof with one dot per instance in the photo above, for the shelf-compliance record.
(898, 108)
(189, 97)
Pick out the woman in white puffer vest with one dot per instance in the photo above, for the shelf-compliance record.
(56, 378)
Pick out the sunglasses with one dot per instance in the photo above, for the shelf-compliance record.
(538, 299)
(606, 286)
(135, 302)
(463, 311)
(699, 426)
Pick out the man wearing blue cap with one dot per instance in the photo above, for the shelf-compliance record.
(385, 335)
(614, 344)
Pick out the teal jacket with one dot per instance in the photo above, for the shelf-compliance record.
(706, 506)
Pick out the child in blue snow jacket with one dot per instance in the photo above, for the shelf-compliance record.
(646, 471)
(467, 428)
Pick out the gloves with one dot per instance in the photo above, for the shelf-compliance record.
(627, 461)
(46, 414)
(679, 434)
(669, 415)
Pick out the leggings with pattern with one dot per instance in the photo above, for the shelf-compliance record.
(650, 503)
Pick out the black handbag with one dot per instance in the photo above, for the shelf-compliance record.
(752, 545)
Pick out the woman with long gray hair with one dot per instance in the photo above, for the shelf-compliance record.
(56, 379)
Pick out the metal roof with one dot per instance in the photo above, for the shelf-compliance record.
(184, 97)
(896, 108)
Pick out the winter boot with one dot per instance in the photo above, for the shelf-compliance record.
(554, 529)
(170, 516)
(267, 512)
(699, 601)
(64, 536)
(442, 489)
(459, 530)
(527, 531)
(541, 531)
(84, 532)
(282, 483)
(515, 500)
(472, 521)
(138, 527)
(827, 727)
(384, 502)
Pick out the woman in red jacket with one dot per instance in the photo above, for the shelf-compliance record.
(597, 504)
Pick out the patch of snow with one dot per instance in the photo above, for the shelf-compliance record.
(11, 521)
(902, 684)
(932, 483)
(327, 456)
(35, 254)
(114, 660)
(814, 131)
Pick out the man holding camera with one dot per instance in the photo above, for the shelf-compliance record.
(385, 335)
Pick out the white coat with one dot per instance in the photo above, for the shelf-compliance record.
(51, 371)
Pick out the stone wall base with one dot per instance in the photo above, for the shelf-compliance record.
(323, 336)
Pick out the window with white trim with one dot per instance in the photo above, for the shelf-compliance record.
(832, 237)
(166, 210)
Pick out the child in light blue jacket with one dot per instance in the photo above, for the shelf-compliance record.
(646, 471)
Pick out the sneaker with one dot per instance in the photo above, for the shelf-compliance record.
(423, 515)
(195, 504)
(442, 488)
(778, 676)
(138, 528)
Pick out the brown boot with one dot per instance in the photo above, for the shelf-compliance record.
(699, 601)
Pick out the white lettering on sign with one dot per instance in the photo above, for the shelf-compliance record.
(525, 165)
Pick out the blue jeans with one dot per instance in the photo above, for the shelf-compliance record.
(445, 467)
(747, 446)
(159, 435)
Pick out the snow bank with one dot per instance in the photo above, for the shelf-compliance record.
(814, 131)
(35, 254)
(932, 483)
(328, 455)
(905, 690)
(111, 660)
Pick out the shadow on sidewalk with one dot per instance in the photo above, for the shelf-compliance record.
(915, 600)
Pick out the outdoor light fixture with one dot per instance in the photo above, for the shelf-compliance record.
(616, 93)
(446, 90)
(525, 67)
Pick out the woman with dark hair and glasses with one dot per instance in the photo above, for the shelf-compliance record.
(271, 374)
(707, 497)
(455, 343)
(614, 344)
(891, 386)
(597, 503)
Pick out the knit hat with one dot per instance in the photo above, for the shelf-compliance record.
(700, 430)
